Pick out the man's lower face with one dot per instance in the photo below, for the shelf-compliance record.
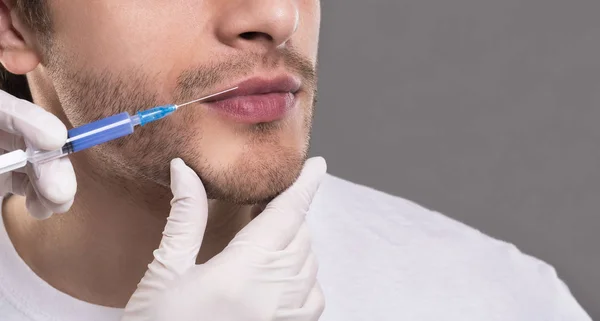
(243, 163)
(246, 149)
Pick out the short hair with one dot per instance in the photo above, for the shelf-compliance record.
(36, 16)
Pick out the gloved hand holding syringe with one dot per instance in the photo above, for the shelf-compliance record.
(92, 134)
(268, 270)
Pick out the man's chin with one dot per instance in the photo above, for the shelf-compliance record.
(241, 194)
(251, 183)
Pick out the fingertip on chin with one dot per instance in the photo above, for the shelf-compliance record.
(177, 163)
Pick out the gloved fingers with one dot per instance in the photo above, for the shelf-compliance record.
(55, 182)
(278, 224)
(56, 208)
(299, 287)
(52, 207)
(186, 223)
(307, 278)
(299, 249)
(311, 311)
(41, 128)
(34, 204)
(315, 303)
(10, 142)
(38, 206)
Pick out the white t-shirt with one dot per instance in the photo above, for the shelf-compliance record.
(381, 258)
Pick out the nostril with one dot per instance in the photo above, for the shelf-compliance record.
(253, 35)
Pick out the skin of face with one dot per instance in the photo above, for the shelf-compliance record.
(110, 56)
(104, 57)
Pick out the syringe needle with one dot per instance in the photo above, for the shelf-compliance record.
(206, 97)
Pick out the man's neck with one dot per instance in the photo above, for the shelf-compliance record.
(100, 249)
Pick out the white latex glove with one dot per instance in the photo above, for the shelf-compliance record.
(50, 188)
(267, 272)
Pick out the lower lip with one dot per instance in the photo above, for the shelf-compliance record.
(255, 109)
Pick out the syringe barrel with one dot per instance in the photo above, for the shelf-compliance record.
(36, 157)
(98, 132)
(88, 135)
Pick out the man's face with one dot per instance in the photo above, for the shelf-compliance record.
(110, 56)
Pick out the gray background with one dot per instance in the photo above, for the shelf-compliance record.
(485, 110)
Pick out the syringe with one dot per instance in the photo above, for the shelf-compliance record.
(92, 134)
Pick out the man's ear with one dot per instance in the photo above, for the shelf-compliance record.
(16, 54)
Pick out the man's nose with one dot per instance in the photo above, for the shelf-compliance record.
(257, 24)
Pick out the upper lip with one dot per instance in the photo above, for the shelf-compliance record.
(262, 85)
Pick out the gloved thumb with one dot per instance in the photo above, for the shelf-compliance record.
(186, 224)
(276, 227)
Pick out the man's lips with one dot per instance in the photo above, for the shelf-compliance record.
(258, 100)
